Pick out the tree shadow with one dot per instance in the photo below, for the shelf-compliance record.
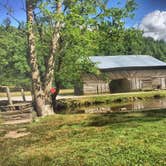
(127, 117)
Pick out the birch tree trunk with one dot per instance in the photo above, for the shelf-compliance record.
(49, 77)
(38, 94)
(42, 97)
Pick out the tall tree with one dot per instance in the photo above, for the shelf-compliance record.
(49, 33)
(49, 25)
(54, 25)
(37, 89)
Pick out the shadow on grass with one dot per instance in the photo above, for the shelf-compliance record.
(126, 117)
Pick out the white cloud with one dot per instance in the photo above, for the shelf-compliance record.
(154, 25)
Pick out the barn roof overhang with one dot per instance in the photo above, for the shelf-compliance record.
(133, 68)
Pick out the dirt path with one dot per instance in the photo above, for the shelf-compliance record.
(16, 134)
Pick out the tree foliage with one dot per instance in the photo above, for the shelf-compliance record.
(87, 28)
(14, 69)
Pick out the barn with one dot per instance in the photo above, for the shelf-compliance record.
(123, 73)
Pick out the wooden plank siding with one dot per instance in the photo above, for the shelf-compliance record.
(137, 80)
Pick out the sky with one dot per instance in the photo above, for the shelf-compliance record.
(150, 16)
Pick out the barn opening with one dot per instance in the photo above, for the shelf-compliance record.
(119, 85)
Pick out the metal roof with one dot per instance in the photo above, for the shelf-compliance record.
(126, 61)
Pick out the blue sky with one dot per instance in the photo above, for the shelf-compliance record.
(144, 7)
(17, 7)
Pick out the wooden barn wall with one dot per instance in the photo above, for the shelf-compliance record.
(94, 85)
(138, 79)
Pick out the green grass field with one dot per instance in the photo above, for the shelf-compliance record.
(88, 140)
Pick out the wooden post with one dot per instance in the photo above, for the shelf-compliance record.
(9, 96)
(23, 94)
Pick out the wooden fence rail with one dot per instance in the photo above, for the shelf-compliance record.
(15, 112)
(7, 90)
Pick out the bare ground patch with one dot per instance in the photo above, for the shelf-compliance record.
(16, 133)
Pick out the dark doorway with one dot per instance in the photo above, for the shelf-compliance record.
(119, 85)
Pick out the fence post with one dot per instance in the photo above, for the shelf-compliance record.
(9, 96)
(23, 94)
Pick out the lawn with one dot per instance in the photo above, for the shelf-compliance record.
(88, 140)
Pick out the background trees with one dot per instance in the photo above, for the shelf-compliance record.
(14, 69)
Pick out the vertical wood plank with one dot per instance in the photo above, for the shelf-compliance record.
(23, 94)
(9, 96)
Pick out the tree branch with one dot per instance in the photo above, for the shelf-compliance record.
(9, 12)
(49, 77)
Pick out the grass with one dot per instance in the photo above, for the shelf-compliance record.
(118, 139)
(110, 98)
(66, 92)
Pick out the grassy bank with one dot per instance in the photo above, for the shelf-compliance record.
(109, 98)
(89, 140)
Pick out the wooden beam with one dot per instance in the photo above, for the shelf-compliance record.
(9, 96)
(23, 94)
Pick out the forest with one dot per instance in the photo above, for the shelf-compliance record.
(15, 71)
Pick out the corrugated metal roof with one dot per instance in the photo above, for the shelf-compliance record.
(126, 61)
